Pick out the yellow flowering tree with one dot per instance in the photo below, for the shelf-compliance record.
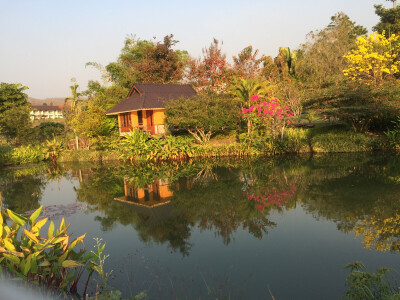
(373, 59)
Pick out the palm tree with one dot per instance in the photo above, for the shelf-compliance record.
(75, 100)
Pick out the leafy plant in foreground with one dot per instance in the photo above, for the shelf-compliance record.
(363, 285)
(50, 261)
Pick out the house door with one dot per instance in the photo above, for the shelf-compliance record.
(150, 121)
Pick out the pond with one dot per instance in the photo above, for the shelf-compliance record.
(226, 229)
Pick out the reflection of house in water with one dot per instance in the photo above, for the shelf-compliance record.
(155, 194)
(153, 201)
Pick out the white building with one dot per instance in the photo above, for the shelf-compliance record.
(44, 112)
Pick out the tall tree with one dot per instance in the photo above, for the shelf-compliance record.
(247, 64)
(389, 20)
(14, 111)
(210, 74)
(75, 97)
(321, 59)
(146, 61)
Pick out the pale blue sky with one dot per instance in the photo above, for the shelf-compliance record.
(43, 43)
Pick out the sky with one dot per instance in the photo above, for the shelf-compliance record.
(45, 43)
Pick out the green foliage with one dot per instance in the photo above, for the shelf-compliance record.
(26, 155)
(363, 285)
(14, 112)
(393, 136)
(138, 146)
(362, 107)
(50, 260)
(203, 116)
(145, 61)
(389, 20)
(48, 130)
(320, 60)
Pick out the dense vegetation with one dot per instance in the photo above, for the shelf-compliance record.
(340, 81)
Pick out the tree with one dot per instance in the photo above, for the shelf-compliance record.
(14, 111)
(203, 116)
(389, 20)
(210, 74)
(246, 64)
(374, 58)
(320, 61)
(75, 99)
(270, 70)
(145, 61)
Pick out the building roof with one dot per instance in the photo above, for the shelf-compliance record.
(144, 96)
(45, 108)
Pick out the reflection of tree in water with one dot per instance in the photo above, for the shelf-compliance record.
(212, 197)
(359, 193)
(21, 190)
(361, 198)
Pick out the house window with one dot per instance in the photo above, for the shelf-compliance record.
(140, 117)
(126, 120)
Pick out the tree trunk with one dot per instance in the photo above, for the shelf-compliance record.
(77, 142)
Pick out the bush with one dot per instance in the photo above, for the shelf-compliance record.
(27, 155)
(49, 130)
(393, 136)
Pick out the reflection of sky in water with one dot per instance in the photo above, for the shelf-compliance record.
(301, 256)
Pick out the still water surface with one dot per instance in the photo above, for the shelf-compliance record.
(226, 229)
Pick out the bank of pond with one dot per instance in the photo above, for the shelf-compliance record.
(224, 228)
(141, 147)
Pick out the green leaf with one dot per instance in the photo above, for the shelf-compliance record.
(18, 219)
(12, 258)
(70, 264)
(33, 265)
(63, 257)
(35, 215)
(44, 263)
(27, 266)
(50, 232)
(31, 236)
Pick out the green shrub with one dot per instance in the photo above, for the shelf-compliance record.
(363, 285)
(27, 155)
(393, 136)
(5, 154)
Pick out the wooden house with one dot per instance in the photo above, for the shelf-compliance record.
(144, 107)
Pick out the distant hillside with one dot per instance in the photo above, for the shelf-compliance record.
(48, 101)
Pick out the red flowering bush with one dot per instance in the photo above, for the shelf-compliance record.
(267, 117)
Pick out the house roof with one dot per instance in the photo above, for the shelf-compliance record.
(144, 96)
(45, 107)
